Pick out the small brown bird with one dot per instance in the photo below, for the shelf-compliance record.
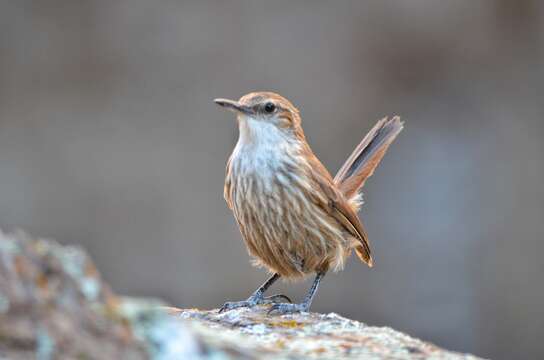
(294, 217)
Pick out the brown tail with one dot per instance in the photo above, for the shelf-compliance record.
(367, 155)
(361, 164)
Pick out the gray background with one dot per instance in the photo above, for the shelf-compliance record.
(109, 139)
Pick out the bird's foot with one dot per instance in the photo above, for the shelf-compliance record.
(231, 305)
(283, 308)
(275, 299)
(254, 300)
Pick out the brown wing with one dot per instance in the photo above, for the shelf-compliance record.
(351, 221)
(339, 208)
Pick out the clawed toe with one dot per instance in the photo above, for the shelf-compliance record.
(275, 299)
(231, 305)
(284, 308)
(254, 301)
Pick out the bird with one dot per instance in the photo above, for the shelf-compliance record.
(296, 219)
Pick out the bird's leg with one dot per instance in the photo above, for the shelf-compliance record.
(304, 306)
(257, 298)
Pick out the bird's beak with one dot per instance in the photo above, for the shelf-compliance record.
(233, 106)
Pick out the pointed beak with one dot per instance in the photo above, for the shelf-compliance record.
(233, 106)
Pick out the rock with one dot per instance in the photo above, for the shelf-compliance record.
(54, 305)
(252, 334)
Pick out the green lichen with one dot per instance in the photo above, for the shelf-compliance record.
(4, 304)
(164, 337)
(74, 263)
(7, 245)
(45, 346)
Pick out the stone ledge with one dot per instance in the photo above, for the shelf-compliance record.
(254, 334)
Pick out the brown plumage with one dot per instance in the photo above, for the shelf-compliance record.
(294, 217)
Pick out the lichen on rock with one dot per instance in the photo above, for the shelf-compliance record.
(54, 305)
(254, 334)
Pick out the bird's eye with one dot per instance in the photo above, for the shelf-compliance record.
(269, 107)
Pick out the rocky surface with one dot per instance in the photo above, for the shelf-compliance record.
(54, 305)
(252, 334)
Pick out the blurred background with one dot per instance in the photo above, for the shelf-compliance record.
(109, 139)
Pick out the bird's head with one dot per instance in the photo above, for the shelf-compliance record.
(261, 114)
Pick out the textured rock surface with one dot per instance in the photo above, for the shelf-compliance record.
(253, 334)
(54, 305)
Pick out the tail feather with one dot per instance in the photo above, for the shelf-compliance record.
(365, 158)
(364, 255)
